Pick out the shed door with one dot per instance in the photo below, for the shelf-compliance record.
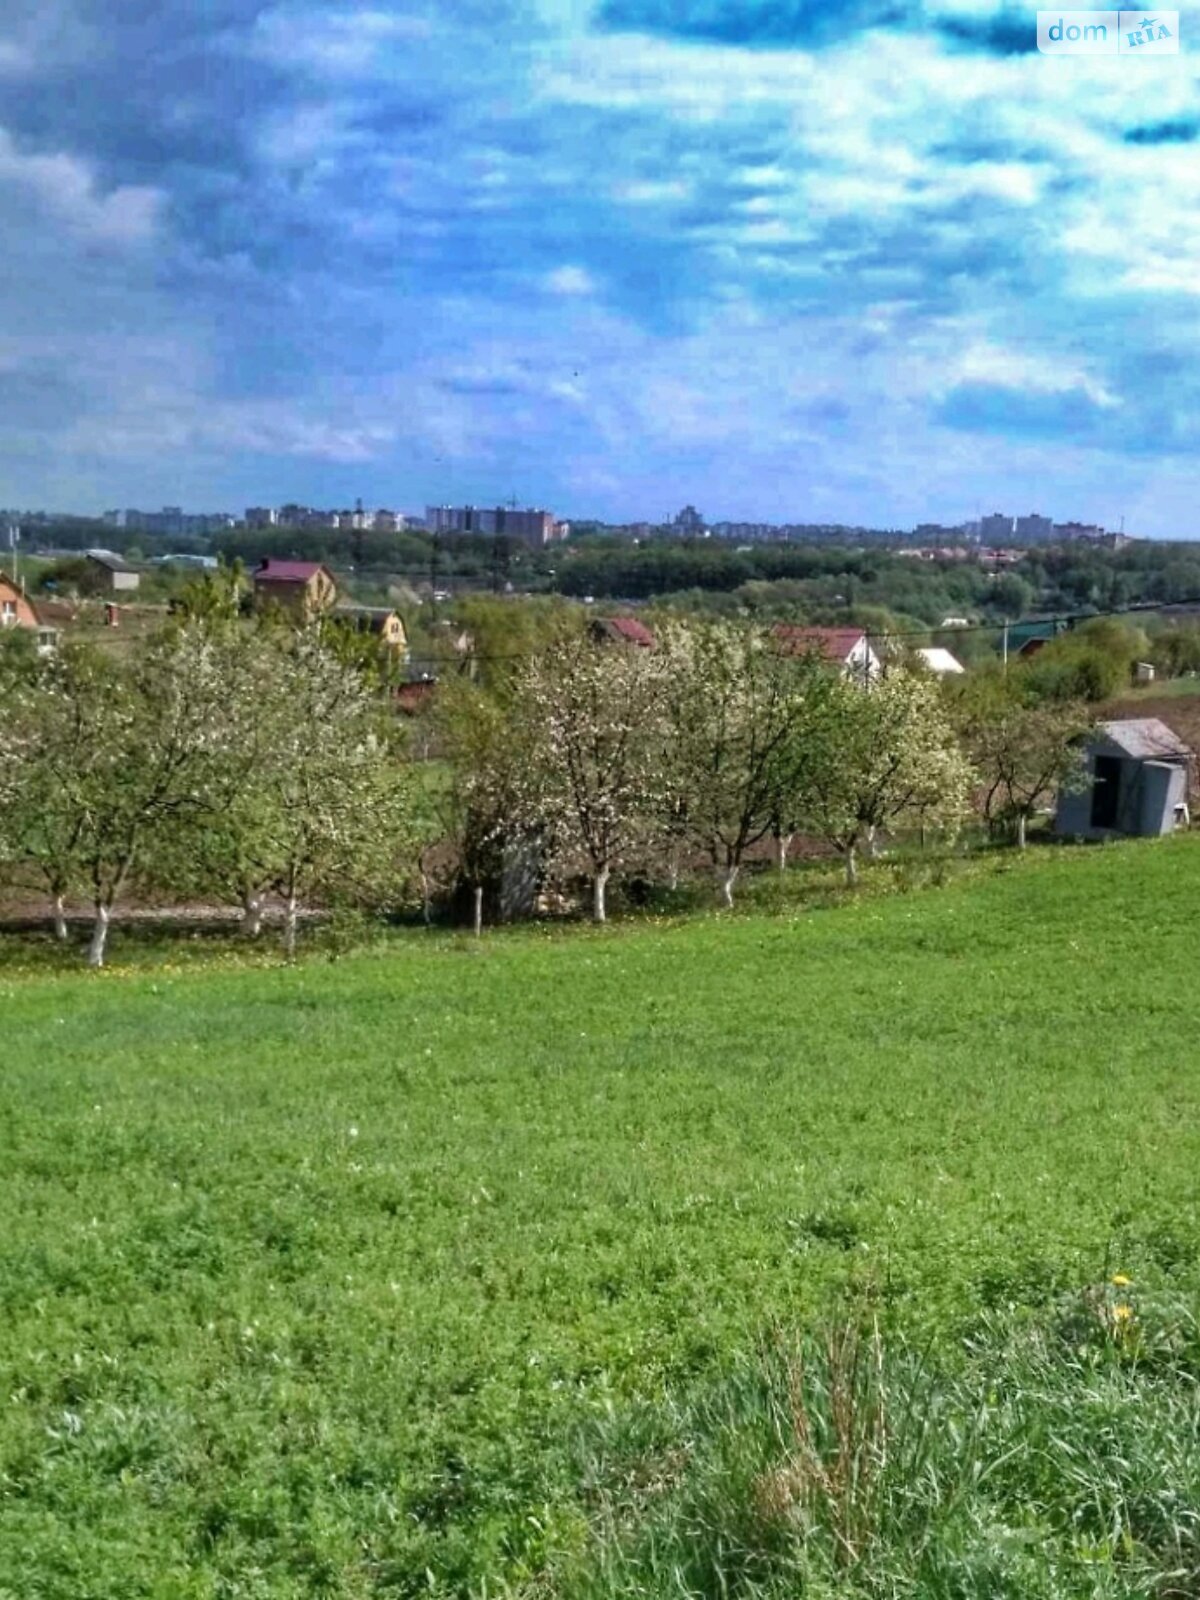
(1106, 791)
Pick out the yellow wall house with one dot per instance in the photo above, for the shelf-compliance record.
(306, 588)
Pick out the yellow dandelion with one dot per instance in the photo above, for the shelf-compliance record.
(1121, 1280)
(1122, 1313)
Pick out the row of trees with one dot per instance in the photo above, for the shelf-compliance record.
(215, 761)
(607, 759)
(221, 761)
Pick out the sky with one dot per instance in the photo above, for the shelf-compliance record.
(860, 263)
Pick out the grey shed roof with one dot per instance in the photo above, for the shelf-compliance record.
(107, 558)
(1145, 739)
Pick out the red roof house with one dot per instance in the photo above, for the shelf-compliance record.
(305, 587)
(623, 630)
(846, 648)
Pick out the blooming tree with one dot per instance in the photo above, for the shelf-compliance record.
(735, 707)
(593, 718)
(881, 755)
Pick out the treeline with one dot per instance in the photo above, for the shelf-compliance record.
(242, 765)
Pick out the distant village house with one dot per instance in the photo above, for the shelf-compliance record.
(622, 630)
(307, 589)
(17, 610)
(848, 649)
(110, 573)
(386, 625)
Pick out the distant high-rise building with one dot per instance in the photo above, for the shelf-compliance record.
(530, 526)
(1034, 529)
(689, 520)
(261, 517)
(1077, 530)
(996, 528)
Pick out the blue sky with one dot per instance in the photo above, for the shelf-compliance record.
(856, 263)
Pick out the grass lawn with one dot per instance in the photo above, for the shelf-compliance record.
(313, 1279)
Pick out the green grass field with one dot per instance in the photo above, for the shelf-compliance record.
(319, 1281)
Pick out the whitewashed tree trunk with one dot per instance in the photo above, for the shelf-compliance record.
(290, 918)
(599, 902)
(60, 919)
(1021, 826)
(478, 917)
(252, 915)
(99, 939)
(872, 843)
(725, 883)
(852, 866)
(673, 871)
(783, 843)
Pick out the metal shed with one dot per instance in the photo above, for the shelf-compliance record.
(1138, 775)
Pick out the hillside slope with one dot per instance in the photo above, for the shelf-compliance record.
(309, 1275)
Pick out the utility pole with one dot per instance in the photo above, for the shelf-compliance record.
(14, 539)
(1006, 648)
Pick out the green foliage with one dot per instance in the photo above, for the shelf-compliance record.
(1090, 663)
(322, 1279)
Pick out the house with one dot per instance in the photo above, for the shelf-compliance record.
(387, 626)
(1025, 639)
(1138, 775)
(846, 648)
(411, 697)
(306, 588)
(939, 661)
(111, 574)
(622, 630)
(17, 610)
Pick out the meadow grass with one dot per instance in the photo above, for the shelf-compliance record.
(331, 1280)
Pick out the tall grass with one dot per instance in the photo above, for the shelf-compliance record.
(1045, 1461)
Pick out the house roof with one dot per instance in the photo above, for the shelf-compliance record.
(9, 591)
(1145, 739)
(628, 629)
(376, 618)
(274, 571)
(832, 644)
(939, 660)
(109, 559)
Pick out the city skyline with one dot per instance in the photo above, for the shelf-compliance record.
(602, 255)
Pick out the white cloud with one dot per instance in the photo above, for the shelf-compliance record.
(570, 280)
(1029, 371)
(65, 187)
(332, 43)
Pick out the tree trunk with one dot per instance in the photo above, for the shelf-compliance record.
(478, 918)
(852, 867)
(599, 885)
(99, 938)
(289, 927)
(60, 919)
(725, 883)
(872, 846)
(1021, 823)
(783, 843)
(673, 871)
(251, 914)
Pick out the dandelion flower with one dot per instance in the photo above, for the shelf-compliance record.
(1121, 1280)
(1122, 1313)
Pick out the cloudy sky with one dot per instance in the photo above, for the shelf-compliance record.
(856, 262)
